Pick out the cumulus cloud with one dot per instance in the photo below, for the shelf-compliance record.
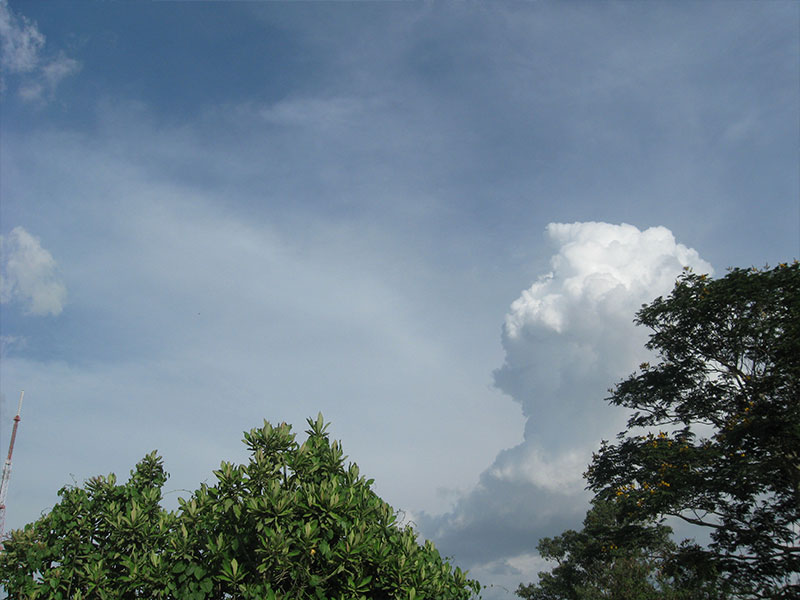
(22, 54)
(570, 334)
(567, 339)
(29, 275)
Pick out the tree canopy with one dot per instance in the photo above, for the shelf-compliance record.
(714, 436)
(293, 523)
(615, 557)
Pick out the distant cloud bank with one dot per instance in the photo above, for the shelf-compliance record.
(29, 275)
(567, 339)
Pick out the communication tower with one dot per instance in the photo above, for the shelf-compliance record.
(7, 471)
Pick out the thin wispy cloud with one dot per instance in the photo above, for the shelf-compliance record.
(24, 56)
(21, 41)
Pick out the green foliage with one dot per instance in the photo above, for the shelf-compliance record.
(612, 557)
(714, 438)
(293, 523)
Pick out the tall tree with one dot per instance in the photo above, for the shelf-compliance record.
(293, 523)
(714, 439)
(614, 558)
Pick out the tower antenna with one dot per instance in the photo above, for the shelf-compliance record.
(7, 470)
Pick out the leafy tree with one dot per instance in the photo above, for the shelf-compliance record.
(92, 541)
(293, 523)
(614, 558)
(714, 439)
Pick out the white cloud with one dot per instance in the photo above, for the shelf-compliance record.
(567, 339)
(316, 113)
(598, 266)
(573, 326)
(7, 342)
(22, 46)
(22, 41)
(531, 464)
(29, 275)
(51, 74)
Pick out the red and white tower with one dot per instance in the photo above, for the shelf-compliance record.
(7, 470)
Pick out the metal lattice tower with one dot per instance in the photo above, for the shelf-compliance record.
(7, 470)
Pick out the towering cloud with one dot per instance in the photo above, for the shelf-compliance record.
(567, 339)
(570, 335)
(29, 275)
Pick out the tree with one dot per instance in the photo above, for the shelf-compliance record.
(614, 558)
(92, 541)
(293, 523)
(714, 439)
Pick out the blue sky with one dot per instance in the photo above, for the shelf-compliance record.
(407, 216)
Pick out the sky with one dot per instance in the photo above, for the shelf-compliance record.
(431, 222)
